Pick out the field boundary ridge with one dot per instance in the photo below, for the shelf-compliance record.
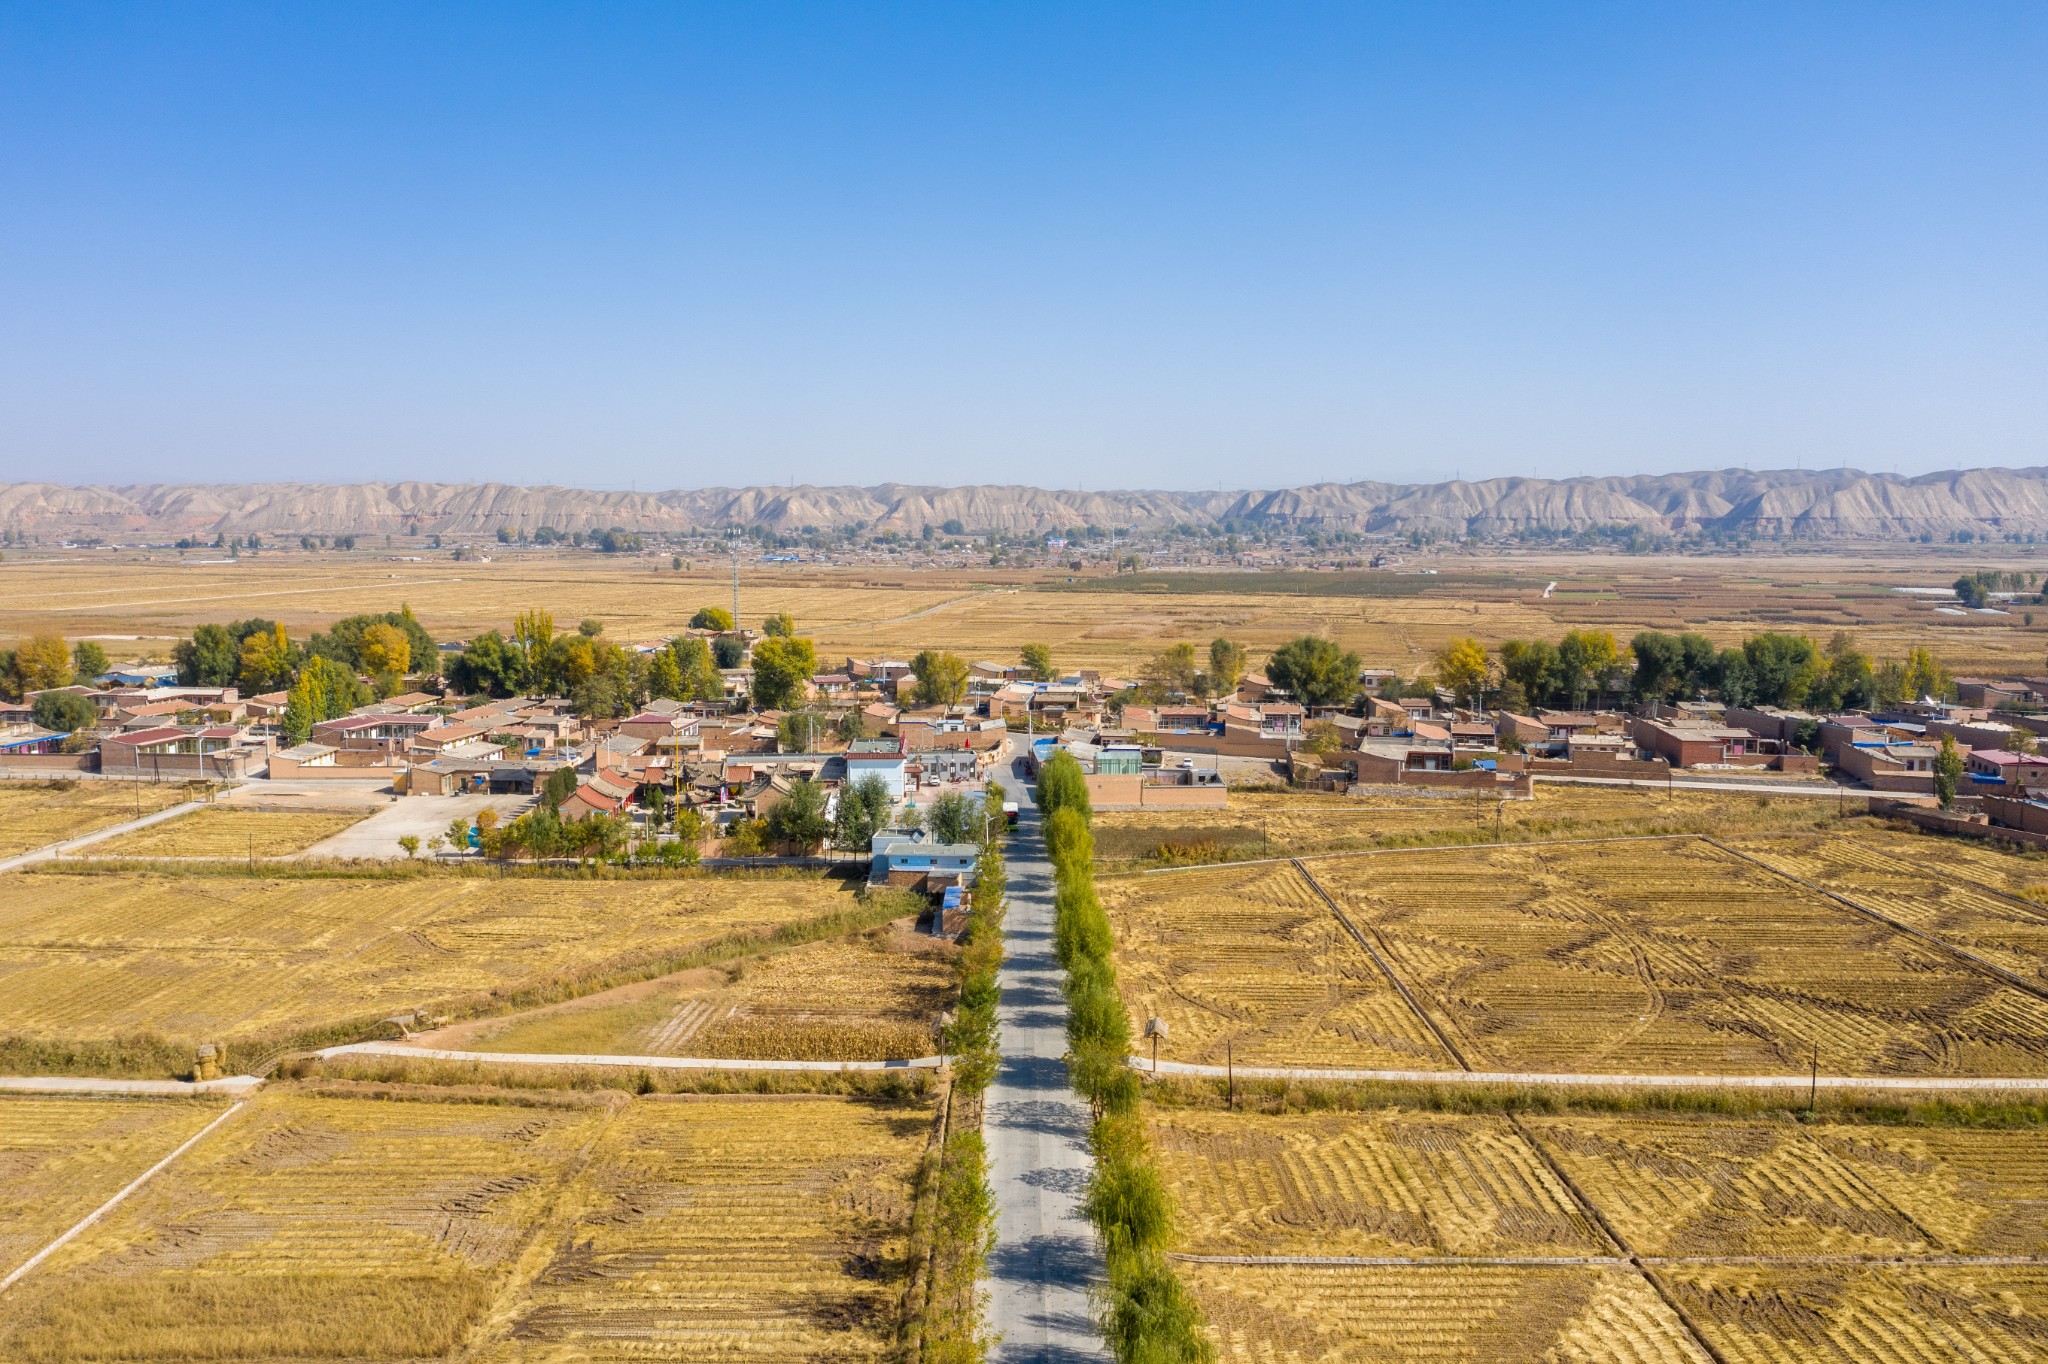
(1144, 1066)
(517, 1058)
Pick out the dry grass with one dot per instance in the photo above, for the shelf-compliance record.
(1259, 824)
(1482, 1314)
(869, 997)
(206, 957)
(1673, 957)
(62, 1157)
(330, 1227)
(34, 814)
(1251, 957)
(1390, 1183)
(1873, 1315)
(221, 831)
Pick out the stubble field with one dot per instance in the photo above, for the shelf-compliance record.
(870, 997)
(205, 957)
(1655, 956)
(220, 831)
(1594, 1237)
(397, 1226)
(34, 814)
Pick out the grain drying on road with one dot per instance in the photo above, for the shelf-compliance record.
(35, 814)
(200, 957)
(1252, 957)
(868, 997)
(223, 831)
(1674, 957)
(320, 1225)
(61, 1157)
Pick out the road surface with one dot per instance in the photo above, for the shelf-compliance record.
(1597, 1080)
(1046, 1255)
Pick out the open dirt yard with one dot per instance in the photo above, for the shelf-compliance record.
(34, 814)
(206, 957)
(867, 997)
(224, 831)
(319, 1225)
(62, 1157)
(1502, 1237)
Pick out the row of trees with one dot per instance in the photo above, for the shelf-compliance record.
(43, 661)
(1769, 668)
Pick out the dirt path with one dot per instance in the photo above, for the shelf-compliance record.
(1907, 1083)
(521, 1058)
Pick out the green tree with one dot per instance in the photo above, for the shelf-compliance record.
(211, 657)
(1531, 664)
(1062, 785)
(1589, 661)
(782, 672)
(1226, 665)
(664, 678)
(490, 664)
(88, 660)
(1037, 661)
(1315, 671)
(1948, 771)
(701, 680)
(1846, 679)
(729, 651)
(1171, 672)
(344, 642)
(954, 819)
(64, 711)
(559, 786)
(799, 817)
(864, 808)
(781, 625)
(712, 618)
(1782, 667)
(851, 725)
(1926, 677)
(941, 677)
(337, 687)
(302, 706)
(411, 844)
(798, 731)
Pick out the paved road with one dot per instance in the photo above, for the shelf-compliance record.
(48, 851)
(1046, 1253)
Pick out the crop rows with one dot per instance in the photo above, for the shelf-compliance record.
(1252, 957)
(223, 831)
(334, 1227)
(1635, 958)
(36, 813)
(1824, 1315)
(62, 1157)
(198, 957)
(1434, 1315)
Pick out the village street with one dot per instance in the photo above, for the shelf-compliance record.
(1046, 1254)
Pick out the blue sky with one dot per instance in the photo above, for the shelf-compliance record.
(1097, 245)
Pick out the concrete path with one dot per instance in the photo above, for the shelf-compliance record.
(423, 817)
(1595, 1081)
(1817, 790)
(531, 1058)
(1046, 1254)
(66, 1084)
(51, 850)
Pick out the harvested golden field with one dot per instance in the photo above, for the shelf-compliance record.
(222, 831)
(34, 814)
(1286, 824)
(219, 957)
(1708, 1187)
(870, 997)
(1977, 1314)
(313, 1226)
(1391, 1183)
(61, 1157)
(1252, 957)
(1672, 957)
(1918, 883)
(1478, 1314)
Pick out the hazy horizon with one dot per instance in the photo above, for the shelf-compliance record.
(1142, 248)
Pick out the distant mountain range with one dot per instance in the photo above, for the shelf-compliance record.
(1808, 504)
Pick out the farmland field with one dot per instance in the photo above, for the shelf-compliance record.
(62, 1157)
(220, 831)
(36, 813)
(1259, 824)
(395, 1228)
(872, 997)
(196, 957)
(1961, 900)
(1673, 957)
(1251, 957)
(1479, 1314)
(1778, 1240)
